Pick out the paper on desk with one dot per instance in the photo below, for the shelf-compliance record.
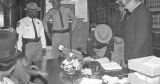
(88, 59)
(110, 78)
(90, 81)
(146, 78)
(87, 71)
(103, 60)
(111, 66)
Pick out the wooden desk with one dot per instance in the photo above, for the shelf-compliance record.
(55, 73)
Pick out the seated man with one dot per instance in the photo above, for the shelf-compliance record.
(8, 55)
(12, 64)
(99, 42)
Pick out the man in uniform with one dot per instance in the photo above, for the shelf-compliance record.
(31, 39)
(138, 30)
(60, 29)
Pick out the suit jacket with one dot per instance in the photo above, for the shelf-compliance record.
(138, 33)
(117, 23)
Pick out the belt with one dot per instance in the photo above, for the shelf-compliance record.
(31, 40)
(26, 41)
(61, 31)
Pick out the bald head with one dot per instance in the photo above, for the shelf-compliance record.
(131, 4)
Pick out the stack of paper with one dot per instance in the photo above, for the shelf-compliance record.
(111, 66)
(153, 62)
(88, 59)
(138, 78)
(149, 65)
(110, 79)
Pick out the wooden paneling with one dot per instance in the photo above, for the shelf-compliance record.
(80, 35)
(154, 8)
(13, 10)
(10, 11)
(100, 10)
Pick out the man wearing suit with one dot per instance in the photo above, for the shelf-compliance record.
(138, 30)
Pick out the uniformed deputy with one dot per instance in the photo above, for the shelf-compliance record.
(31, 38)
(60, 30)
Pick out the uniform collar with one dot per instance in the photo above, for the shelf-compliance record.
(30, 18)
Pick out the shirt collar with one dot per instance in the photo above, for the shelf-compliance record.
(30, 18)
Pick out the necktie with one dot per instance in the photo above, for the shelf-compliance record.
(36, 36)
(61, 18)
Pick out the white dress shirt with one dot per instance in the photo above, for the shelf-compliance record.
(25, 29)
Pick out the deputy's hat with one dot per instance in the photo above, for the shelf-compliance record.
(32, 6)
(103, 33)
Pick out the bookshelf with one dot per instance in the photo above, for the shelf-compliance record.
(100, 11)
(154, 8)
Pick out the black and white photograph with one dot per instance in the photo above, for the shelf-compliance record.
(79, 41)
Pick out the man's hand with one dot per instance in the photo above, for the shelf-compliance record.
(34, 67)
(43, 52)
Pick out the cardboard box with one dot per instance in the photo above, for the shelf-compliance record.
(146, 65)
(137, 78)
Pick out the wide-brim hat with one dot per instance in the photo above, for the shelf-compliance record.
(103, 33)
(32, 6)
(93, 41)
(8, 55)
